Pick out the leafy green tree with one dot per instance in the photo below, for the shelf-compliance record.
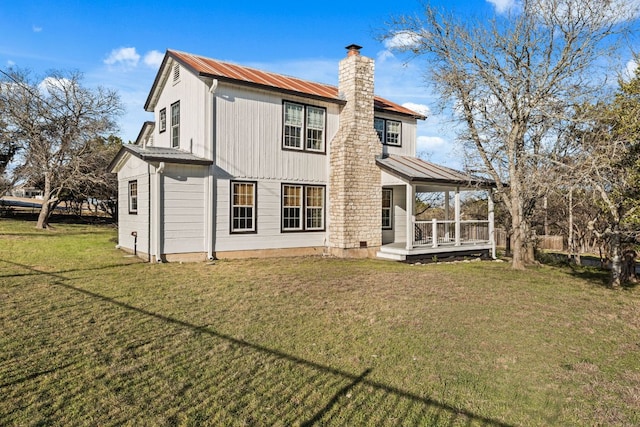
(605, 163)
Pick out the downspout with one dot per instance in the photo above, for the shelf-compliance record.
(149, 213)
(210, 187)
(157, 210)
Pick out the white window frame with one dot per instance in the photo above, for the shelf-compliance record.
(305, 205)
(175, 125)
(240, 206)
(388, 209)
(303, 134)
(133, 196)
(163, 120)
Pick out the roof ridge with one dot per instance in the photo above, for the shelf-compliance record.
(253, 68)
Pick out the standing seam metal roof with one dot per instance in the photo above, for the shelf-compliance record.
(413, 169)
(232, 72)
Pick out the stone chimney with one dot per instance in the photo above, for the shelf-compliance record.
(355, 191)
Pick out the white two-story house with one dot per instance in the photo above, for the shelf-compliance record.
(243, 162)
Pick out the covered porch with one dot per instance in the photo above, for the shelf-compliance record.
(406, 237)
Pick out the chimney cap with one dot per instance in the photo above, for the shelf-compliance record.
(353, 49)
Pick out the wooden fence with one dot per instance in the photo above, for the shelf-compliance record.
(551, 242)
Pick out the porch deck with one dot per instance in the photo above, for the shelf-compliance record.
(398, 251)
(443, 238)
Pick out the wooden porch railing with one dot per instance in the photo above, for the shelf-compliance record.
(436, 233)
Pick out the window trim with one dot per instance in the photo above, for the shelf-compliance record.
(132, 199)
(390, 208)
(175, 125)
(163, 119)
(303, 208)
(254, 217)
(303, 132)
(384, 140)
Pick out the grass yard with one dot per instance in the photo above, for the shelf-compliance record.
(92, 337)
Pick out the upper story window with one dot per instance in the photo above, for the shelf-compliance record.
(163, 120)
(175, 124)
(304, 127)
(389, 131)
(133, 197)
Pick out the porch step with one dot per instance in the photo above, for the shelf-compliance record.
(391, 256)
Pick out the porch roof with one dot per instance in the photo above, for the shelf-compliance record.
(158, 154)
(415, 170)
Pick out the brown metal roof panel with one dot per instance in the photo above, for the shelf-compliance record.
(415, 169)
(214, 68)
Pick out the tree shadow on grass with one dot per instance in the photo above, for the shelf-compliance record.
(318, 395)
(591, 269)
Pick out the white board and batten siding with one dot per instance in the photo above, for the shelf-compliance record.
(249, 140)
(250, 149)
(192, 94)
(408, 135)
(183, 208)
(134, 169)
(398, 231)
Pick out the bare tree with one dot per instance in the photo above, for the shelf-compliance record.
(52, 121)
(513, 82)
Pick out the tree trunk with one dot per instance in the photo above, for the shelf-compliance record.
(517, 242)
(45, 210)
(617, 278)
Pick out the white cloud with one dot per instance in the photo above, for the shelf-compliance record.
(10, 63)
(52, 83)
(36, 29)
(384, 55)
(403, 40)
(428, 143)
(418, 108)
(630, 70)
(503, 6)
(125, 56)
(153, 58)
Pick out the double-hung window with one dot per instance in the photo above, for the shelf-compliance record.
(175, 124)
(314, 207)
(302, 207)
(304, 127)
(163, 120)
(389, 131)
(387, 205)
(133, 197)
(243, 207)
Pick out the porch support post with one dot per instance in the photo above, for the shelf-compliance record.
(410, 218)
(447, 216)
(434, 232)
(491, 217)
(457, 213)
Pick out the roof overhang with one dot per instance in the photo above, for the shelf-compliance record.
(209, 69)
(155, 155)
(417, 171)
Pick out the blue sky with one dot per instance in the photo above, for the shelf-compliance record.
(119, 44)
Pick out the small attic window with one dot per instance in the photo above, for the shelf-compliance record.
(176, 73)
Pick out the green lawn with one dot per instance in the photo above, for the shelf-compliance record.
(92, 337)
